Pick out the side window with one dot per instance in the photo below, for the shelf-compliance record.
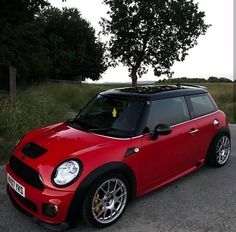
(169, 111)
(202, 104)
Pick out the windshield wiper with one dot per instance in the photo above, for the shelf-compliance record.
(84, 126)
(101, 129)
(75, 124)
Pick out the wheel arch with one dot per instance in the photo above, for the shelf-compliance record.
(221, 131)
(82, 189)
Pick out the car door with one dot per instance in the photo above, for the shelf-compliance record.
(206, 116)
(171, 154)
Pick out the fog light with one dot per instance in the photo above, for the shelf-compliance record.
(50, 210)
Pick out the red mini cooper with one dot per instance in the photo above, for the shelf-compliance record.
(124, 143)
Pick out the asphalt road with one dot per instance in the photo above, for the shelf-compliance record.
(203, 201)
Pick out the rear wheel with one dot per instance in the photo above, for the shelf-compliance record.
(106, 200)
(219, 151)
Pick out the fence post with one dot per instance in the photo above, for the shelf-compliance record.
(12, 73)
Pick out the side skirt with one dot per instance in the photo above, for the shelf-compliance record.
(198, 165)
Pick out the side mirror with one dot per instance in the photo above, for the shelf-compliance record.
(160, 129)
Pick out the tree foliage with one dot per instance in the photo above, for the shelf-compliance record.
(152, 33)
(21, 43)
(44, 42)
(17, 12)
(74, 49)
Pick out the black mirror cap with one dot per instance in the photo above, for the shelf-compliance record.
(160, 129)
(163, 129)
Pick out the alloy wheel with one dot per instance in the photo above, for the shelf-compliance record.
(109, 201)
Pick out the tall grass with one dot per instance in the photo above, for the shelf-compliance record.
(224, 97)
(45, 104)
(38, 106)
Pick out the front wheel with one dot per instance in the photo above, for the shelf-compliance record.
(106, 200)
(219, 151)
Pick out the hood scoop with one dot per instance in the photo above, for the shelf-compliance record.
(33, 150)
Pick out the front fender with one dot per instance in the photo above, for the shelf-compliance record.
(113, 167)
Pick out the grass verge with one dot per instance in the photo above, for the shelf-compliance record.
(49, 103)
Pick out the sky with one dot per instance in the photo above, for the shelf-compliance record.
(213, 56)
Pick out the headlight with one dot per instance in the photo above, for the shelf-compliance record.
(66, 173)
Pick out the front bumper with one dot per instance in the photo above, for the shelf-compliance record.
(34, 199)
(55, 227)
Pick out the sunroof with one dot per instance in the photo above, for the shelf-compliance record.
(151, 89)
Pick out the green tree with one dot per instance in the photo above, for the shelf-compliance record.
(21, 41)
(152, 33)
(74, 49)
(17, 12)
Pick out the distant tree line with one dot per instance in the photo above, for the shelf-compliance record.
(196, 80)
(43, 42)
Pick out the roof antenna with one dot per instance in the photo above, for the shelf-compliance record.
(179, 83)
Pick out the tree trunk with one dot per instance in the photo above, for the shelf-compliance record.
(134, 78)
(12, 74)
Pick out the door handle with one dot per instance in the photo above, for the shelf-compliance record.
(193, 131)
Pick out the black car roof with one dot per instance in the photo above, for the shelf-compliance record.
(155, 92)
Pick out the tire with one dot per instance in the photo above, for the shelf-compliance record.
(104, 205)
(219, 150)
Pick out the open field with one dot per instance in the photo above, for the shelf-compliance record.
(45, 104)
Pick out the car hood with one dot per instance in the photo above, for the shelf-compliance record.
(63, 142)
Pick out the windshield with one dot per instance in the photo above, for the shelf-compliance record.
(111, 116)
